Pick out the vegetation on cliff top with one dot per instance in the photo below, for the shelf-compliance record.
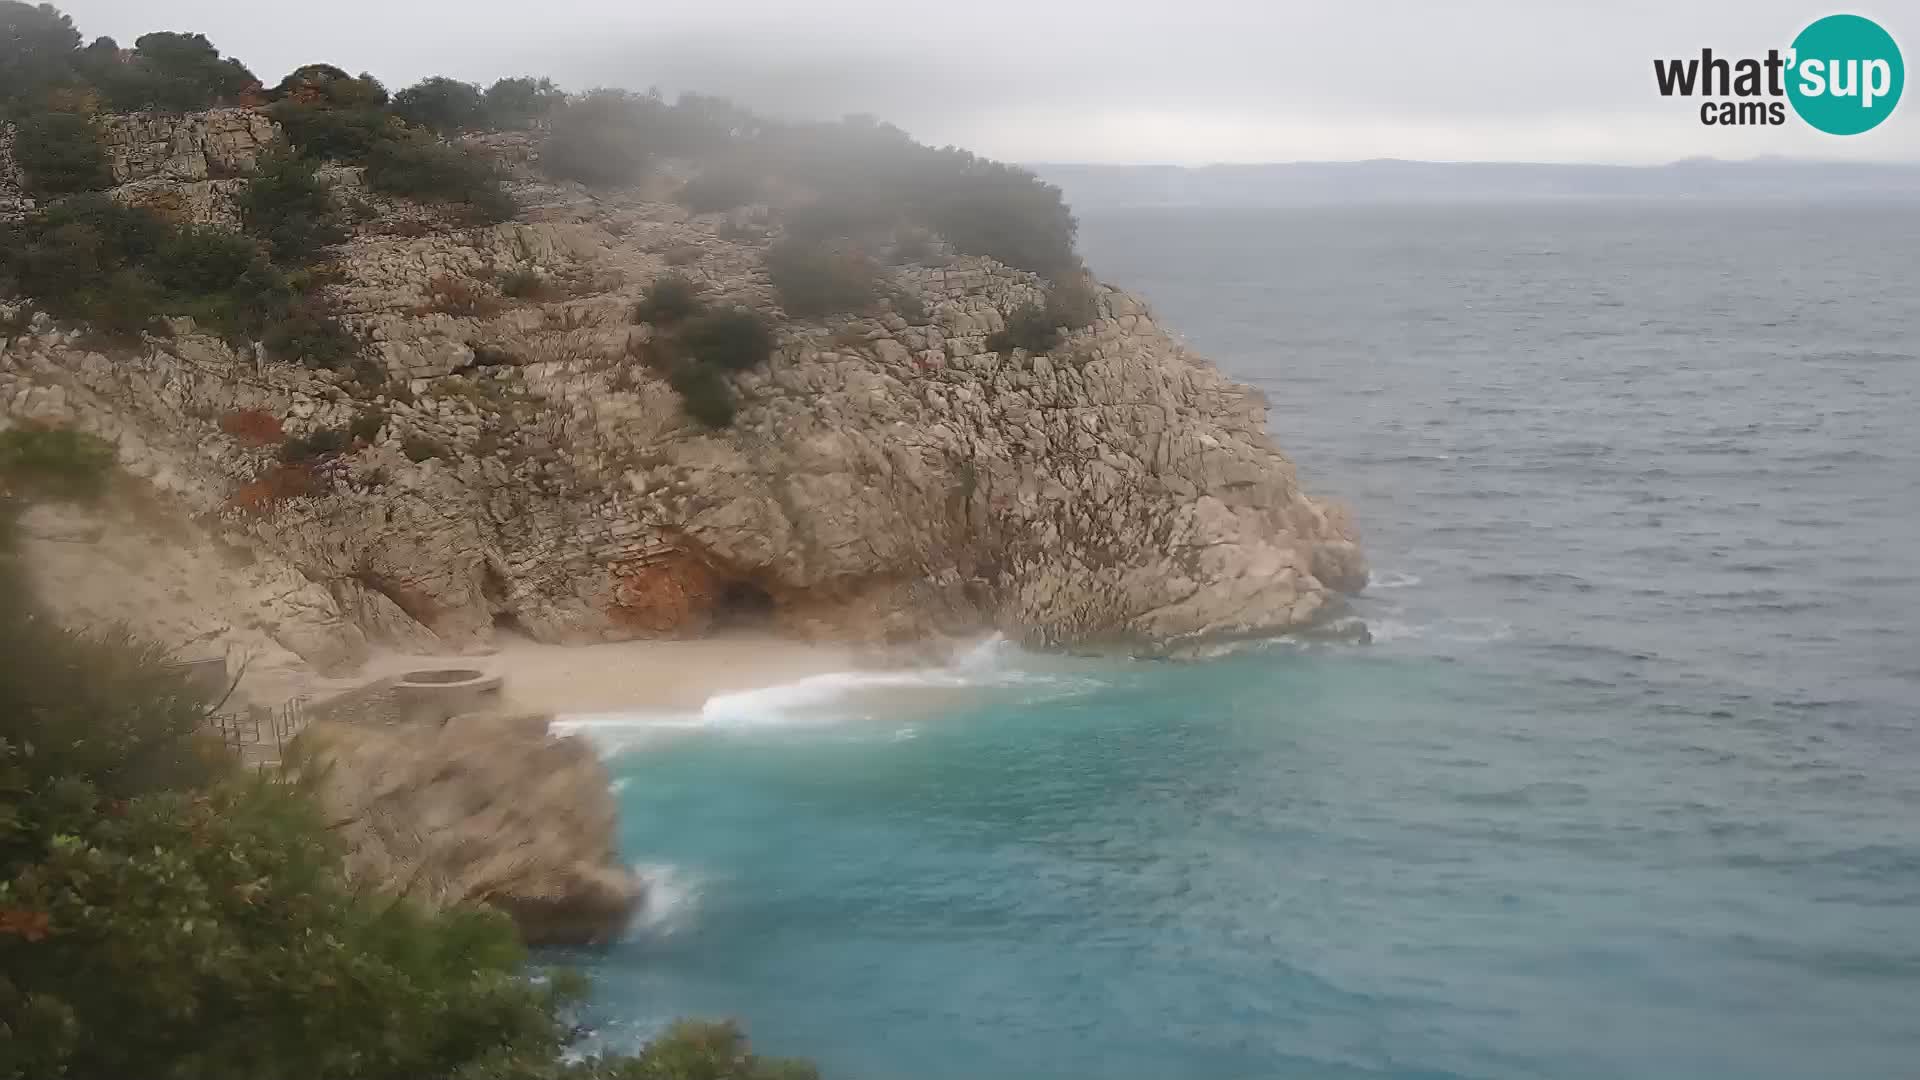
(854, 193)
(165, 915)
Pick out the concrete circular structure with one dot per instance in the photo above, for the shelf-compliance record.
(437, 695)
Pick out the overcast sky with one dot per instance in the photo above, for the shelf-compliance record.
(1164, 81)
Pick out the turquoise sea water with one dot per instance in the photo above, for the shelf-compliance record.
(1628, 787)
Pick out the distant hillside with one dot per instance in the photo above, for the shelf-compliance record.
(1096, 187)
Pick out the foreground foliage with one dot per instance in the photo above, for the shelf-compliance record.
(287, 206)
(54, 463)
(119, 268)
(60, 154)
(164, 917)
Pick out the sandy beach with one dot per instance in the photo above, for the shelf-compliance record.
(608, 677)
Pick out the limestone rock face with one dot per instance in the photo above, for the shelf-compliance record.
(210, 145)
(482, 809)
(168, 580)
(888, 477)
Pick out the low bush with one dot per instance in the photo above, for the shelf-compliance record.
(908, 306)
(604, 139)
(668, 300)
(320, 130)
(704, 392)
(435, 171)
(720, 188)
(300, 449)
(54, 462)
(312, 336)
(366, 426)
(200, 259)
(420, 448)
(1037, 328)
(814, 279)
(172, 73)
(324, 84)
(517, 103)
(497, 356)
(734, 340)
(985, 207)
(526, 285)
(841, 217)
(287, 206)
(912, 246)
(1028, 327)
(441, 105)
(451, 295)
(1071, 302)
(60, 154)
(118, 267)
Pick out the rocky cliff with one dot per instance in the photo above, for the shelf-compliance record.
(889, 476)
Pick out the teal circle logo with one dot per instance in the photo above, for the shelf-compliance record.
(1847, 75)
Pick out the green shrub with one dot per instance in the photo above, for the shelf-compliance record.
(173, 73)
(298, 449)
(912, 246)
(516, 103)
(525, 285)
(287, 206)
(842, 217)
(908, 306)
(310, 335)
(118, 267)
(325, 84)
(1028, 327)
(604, 139)
(704, 392)
(38, 49)
(1071, 302)
(1036, 327)
(367, 424)
(419, 448)
(60, 153)
(60, 254)
(719, 188)
(734, 340)
(429, 170)
(441, 105)
(985, 207)
(668, 300)
(124, 306)
(815, 280)
(54, 462)
(328, 132)
(201, 259)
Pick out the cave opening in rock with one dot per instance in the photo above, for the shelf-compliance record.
(741, 604)
(508, 623)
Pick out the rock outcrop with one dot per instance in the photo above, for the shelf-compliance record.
(213, 145)
(889, 476)
(483, 809)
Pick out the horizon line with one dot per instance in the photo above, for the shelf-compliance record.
(1704, 159)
